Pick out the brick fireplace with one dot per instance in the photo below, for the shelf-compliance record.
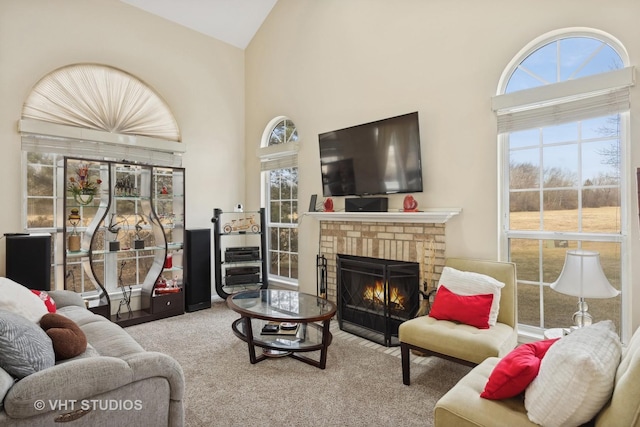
(414, 237)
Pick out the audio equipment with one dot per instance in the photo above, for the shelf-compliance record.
(197, 269)
(235, 271)
(243, 253)
(366, 204)
(28, 260)
(241, 279)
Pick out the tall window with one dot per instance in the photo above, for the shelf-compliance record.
(280, 170)
(562, 111)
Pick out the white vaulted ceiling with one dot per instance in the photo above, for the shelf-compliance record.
(232, 21)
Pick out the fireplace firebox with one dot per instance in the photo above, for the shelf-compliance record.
(375, 296)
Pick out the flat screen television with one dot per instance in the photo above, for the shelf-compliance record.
(381, 157)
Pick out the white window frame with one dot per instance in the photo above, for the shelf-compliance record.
(273, 157)
(568, 99)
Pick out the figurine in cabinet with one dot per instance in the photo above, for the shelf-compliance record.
(114, 228)
(242, 225)
(138, 243)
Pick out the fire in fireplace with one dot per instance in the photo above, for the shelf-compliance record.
(375, 296)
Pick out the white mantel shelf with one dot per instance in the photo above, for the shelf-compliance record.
(436, 216)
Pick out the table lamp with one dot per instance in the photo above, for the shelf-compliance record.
(582, 277)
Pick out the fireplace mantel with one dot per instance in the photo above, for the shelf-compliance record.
(435, 216)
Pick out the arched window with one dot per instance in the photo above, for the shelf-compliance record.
(562, 109)
(279, 164)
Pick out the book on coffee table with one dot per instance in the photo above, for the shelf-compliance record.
(280, 328)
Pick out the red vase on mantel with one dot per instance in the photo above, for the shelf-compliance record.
(328, 205)
(410, 204)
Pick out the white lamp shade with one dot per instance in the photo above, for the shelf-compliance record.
(582, 276)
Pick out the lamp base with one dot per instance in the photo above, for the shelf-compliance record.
(581, 317)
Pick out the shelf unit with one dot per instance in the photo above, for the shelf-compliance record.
(125, 234)
(245, 239)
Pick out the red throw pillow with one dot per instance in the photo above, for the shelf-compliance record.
(513, 374)
(471, 310)
(46, 299)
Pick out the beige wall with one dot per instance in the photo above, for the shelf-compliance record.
(201, 79)
(335, 63)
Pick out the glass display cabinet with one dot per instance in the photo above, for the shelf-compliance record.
(123, 237)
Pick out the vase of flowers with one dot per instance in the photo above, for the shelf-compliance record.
(82, 187)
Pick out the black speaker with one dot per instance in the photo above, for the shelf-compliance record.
(367, 204)
(197, 269)
(28, 260)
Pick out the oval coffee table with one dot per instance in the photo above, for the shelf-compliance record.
(260, 307)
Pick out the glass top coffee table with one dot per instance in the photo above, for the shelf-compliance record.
(302, 324)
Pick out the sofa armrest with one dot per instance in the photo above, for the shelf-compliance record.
(6, 382)
(65, 298)
(150, 364)
(74, 380)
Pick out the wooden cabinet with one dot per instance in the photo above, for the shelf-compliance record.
(123, 237)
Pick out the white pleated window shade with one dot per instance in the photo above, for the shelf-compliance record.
(279, 156)
(99, 97)
(595, 96)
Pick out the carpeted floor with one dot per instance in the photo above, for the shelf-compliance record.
(361, 385)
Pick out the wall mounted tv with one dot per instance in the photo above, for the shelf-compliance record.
(381, 157)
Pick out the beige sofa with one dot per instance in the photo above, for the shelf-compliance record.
(459, 342)
(115, 382)
(462, 405)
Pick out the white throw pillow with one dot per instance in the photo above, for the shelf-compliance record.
(20, 300)
(471, 283)
(576, 377)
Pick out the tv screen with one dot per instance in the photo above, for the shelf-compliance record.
(381, 157)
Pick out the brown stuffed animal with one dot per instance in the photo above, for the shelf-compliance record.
(67, 337)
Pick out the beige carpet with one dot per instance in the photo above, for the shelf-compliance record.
(361, 385)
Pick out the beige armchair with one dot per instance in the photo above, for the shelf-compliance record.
(463, 343)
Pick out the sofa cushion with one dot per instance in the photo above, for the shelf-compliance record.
(471, 283)
(462, 405)
(471, 310)
(576, 377)
(516, 370)
(457, 339)
(107, 338)
(20, 300)
(24, 347)
(67, 337)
